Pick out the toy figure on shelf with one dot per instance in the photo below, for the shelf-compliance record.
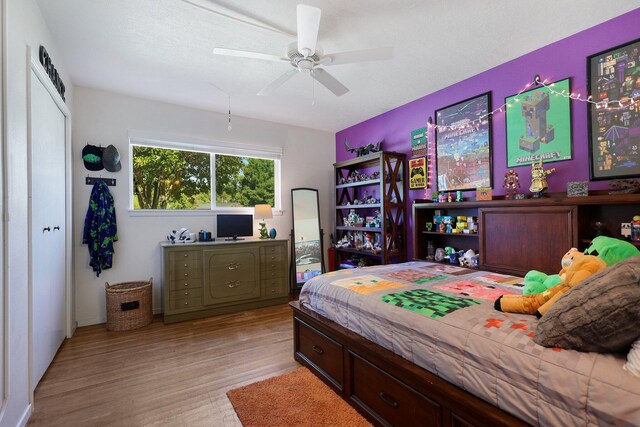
(368, 244)
(511, 183)
(539, 178)
(344, 242)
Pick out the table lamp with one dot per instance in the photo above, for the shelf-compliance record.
(264, 212)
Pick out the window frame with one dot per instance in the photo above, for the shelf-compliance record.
(177, 142)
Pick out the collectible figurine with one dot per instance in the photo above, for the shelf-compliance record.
(368, 244)
(511, 183)
(539, 178)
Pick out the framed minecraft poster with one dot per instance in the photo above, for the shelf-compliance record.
(614, 114)
(539, 125)
(463, 144)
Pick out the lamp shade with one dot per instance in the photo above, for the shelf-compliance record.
(263, 212)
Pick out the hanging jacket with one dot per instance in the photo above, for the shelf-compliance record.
(100, 229)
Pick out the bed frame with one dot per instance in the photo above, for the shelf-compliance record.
(382, 386)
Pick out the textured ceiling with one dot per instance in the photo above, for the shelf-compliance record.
(162, 49)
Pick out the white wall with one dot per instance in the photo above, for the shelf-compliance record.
(105, 118)
(24, 26)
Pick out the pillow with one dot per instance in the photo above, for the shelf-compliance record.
(600, 314)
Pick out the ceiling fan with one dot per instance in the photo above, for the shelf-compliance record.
(306, 55)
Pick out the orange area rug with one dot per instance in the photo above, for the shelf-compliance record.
(297, 398)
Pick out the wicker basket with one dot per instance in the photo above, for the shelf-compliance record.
(129, 305)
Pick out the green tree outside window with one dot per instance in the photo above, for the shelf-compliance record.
(179, 179)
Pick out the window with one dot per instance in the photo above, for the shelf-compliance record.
(187, 177)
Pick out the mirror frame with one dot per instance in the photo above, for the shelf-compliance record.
(295, 285)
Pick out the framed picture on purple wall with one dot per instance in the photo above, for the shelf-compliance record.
(463, 144)
(538, 125)
(614, 113)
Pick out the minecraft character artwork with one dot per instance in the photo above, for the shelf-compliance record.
(534, 111)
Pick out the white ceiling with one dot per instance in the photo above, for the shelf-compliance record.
(162, 49)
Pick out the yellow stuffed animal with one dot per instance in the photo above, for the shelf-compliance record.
(582, 267)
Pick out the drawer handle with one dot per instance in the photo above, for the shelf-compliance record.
(388, 400)
(233, 283)
(186, 284)
(272, 258)
(317, 349)
(186, 255)
(186, 274)
(186, 303)
(186, 293)
(233, 266)
(186, 265)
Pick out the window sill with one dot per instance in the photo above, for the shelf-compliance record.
(179, 213)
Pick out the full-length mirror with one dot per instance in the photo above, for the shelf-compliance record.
(306, 236)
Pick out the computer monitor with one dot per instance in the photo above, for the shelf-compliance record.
(232, 227)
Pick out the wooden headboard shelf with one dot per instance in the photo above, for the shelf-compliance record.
(515, 236)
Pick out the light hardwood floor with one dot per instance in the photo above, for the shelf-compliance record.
(163, 375)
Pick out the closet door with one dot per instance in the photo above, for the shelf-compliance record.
(48, 257)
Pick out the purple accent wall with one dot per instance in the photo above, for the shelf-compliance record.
(559, 60)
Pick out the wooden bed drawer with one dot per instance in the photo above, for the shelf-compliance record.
(388, 400)
(317, 349)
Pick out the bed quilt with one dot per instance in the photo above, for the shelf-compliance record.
(441, 317)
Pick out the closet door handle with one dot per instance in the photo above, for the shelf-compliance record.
(46, 229)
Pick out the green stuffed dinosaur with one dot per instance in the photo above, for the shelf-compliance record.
(611, 250)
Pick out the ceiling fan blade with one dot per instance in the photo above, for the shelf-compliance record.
(328, 81)
(236, 15)
(308, 18)
(268, 89)
(247, 54)
(376, 54)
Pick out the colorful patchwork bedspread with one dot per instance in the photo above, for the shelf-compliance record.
(442, 318)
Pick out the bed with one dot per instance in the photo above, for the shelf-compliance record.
(420, 343)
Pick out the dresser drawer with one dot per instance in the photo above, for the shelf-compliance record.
(277, 287)
(188, 283)
(274, 269)
(322, 352)
(185, 299)
(229, 267)
(387, 399)
(273, 253)
(231, 276)
(184, 265)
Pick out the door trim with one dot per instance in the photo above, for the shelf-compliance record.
(43, 78)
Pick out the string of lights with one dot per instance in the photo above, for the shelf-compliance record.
(605, 104)
(624, 103)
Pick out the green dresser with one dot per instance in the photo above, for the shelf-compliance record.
(206, 279)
